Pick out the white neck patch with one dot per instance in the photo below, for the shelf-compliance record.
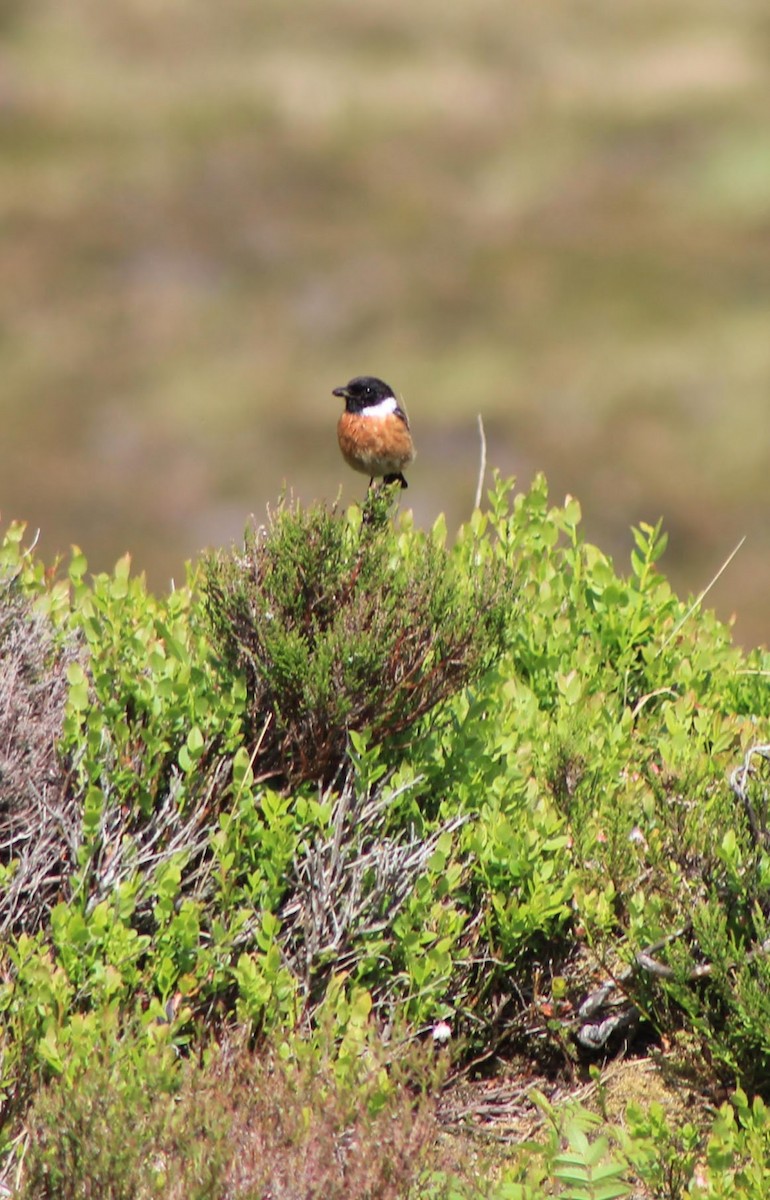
(381, 408)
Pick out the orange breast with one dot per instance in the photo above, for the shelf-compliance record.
(375, 445)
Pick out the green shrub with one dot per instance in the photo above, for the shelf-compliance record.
(345, 624)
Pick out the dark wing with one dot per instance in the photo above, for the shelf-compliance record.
(399, 412)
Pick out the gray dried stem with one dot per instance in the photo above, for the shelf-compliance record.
(179, 826)
(750, 782)
(349, 885)
(39, 817)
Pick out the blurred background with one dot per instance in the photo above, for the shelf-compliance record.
(555, 215)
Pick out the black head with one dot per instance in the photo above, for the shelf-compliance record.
(363, 392)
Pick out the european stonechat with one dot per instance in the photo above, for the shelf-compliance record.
(373, 431)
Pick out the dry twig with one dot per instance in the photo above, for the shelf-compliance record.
(482, 463)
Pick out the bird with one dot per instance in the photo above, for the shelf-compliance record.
(373, 431)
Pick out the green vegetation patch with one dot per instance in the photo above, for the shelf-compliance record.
(352, 786)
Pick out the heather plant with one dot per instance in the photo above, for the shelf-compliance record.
(341, 624)
(235, 1124)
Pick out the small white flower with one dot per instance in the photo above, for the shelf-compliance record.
(442, 1032)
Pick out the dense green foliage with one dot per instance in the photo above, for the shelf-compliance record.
(349, 780)
(339, 626)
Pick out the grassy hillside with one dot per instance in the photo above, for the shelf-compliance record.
(354, 863)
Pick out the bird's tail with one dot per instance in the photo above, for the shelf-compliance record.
(395, 477)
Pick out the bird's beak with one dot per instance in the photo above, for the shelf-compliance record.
(340, 391)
